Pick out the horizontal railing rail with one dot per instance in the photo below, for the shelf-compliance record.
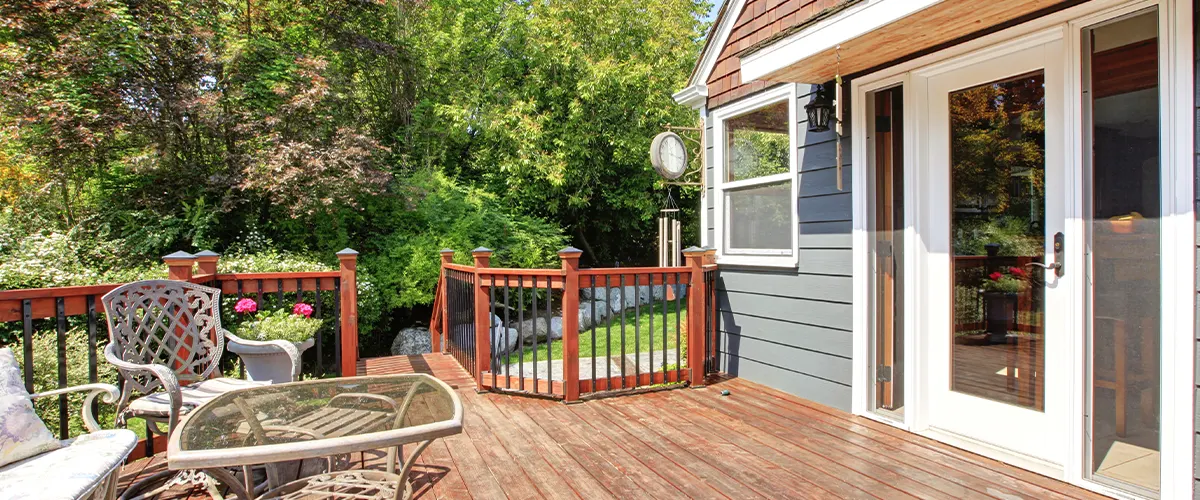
(574, 333)
(79, 307)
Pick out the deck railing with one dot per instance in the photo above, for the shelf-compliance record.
(574, 333)
(333, 294)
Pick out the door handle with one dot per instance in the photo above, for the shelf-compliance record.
(1059, 254)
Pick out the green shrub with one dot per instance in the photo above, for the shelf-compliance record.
(443, 214)
(45, 376)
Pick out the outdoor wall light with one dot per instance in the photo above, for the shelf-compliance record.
(820, 110)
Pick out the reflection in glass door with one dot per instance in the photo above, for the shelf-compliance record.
(887, 248)
(1121, 146)
(997, 153)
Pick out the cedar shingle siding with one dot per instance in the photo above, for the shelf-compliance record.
(759, 20)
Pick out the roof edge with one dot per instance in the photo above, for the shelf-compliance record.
(694, 96)
(715, 41)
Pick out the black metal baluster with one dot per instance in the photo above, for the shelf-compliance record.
(508, 356)
(608, 332)
(494, 363)
(664, 328)
(549, 342)
(258, 297)
(239, 291)
(27, 340)
(93, 376)
(337, 326)
(678, 346)
(623, 370)
(299, 299)
(60, 316)
(474, 334)
(320, 339)
(593, 329)
(535, 334)
(521, 332)
(650, 296)
(637, 332)
(279, 292)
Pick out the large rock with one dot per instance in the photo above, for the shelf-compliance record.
(504, 340)
(586, 307)
(531, 328)
(556, 328)
(410, 341)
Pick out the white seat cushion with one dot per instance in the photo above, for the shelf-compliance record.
(194, 395)
(70, 471)
(22, 432)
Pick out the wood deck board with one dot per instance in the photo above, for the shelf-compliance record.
(684, 443)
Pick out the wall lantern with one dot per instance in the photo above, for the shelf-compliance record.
(820, 110)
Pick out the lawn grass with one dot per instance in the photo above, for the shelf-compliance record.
(610, 335)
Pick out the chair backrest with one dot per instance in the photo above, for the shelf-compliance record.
(175, 324)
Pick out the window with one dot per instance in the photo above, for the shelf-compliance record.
(755, 198)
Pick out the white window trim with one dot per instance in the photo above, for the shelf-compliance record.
(754, 257)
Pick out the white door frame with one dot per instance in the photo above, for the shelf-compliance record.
(1178, 236)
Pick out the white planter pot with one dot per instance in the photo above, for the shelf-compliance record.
(267, 363)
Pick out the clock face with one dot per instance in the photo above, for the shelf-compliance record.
(668, 155)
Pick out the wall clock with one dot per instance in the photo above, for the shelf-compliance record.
(668, 155)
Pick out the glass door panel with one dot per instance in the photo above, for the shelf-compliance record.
(996, 337)
(887, 248)
(1122, 141)
(997, 179)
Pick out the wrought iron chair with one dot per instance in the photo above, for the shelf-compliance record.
(166, 341)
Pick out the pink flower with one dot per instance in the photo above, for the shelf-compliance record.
(996, 276)
(1016, 271)
(245, 306)
(302, 309)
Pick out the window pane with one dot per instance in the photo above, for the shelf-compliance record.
(760, 217)
(1121, 85)
(757, 143)
(997, 152)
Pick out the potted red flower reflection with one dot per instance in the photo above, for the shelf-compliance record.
(1001, 289)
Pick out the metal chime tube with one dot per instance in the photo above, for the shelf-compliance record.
(677, 243)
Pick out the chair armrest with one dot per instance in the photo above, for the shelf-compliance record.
(110, 392)
(283, 345)
(164, 375)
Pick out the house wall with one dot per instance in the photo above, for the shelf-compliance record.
(791, 328)
(759, 20)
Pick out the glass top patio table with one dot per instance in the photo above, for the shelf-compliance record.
(313, 419)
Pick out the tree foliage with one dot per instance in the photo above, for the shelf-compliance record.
(396, 127)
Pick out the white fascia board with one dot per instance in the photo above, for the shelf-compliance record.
(695, 96)
(851, 23)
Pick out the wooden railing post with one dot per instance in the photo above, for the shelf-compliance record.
(570, 306)
(206, 261)
(694, 260)
(436, 339)
(179, 265)
(483, 318)
(348, 308)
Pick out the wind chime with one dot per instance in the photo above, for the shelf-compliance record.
(670, 234)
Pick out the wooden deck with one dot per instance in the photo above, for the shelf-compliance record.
(690, 443)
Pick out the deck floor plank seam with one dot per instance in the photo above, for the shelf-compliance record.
(987, 469)
(760, 430)
(683, 443)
